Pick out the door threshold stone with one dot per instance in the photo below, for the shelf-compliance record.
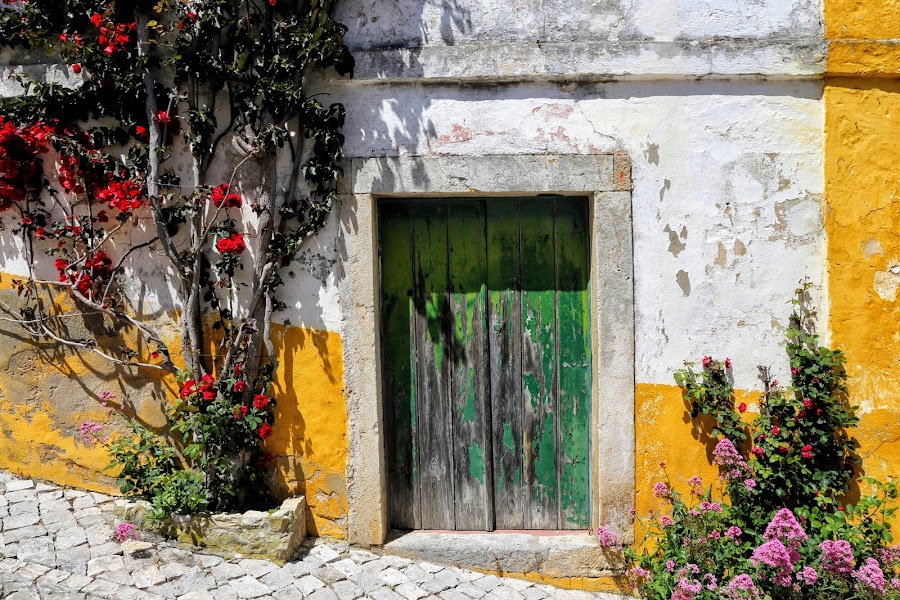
(542, 554)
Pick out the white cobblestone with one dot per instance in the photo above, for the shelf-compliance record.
(62, 541)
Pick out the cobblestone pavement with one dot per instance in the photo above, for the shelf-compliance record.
(58, 544)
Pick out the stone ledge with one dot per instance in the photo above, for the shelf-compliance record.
(594, 60)
(550, 555)
(274, 536)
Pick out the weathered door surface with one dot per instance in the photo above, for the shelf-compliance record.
(486, 353)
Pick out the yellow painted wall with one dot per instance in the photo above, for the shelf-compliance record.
(46, 394)
(862, 214)
(862, 19)
(862, 179)
(665, 434)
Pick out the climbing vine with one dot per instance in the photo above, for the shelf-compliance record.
(137, 150)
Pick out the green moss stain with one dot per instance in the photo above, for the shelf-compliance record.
(476, 462)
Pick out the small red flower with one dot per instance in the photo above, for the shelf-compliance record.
(776, 430)
(260, 401)
(76, 68)
(209, 395)
(240, 386)
(163, 117)
(807, 403)
(240, 412)
(265, 430)
(233, 244)
(154, 355)
(189, 388)
(96, 19)
(742, 407)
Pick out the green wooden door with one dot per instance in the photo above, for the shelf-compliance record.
(485, 322)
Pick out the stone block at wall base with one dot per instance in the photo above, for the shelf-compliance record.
(274, 536)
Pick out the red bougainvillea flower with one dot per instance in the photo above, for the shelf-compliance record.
(742, 407)
(240, 386)
(240, 412)
(209, 395)
(265, 430)
(233, 244)
(163, 117)
(807, 451)
(141, 132)
(76, 68)
(189, 388)
(260, 401)
(221, 196)
(97, 268)
(96, 19)
(124, 196)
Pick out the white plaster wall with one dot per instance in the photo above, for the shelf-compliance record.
(413, 23)
(732, 170)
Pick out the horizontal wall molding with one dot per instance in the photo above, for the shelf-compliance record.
(502, 174)
(598, 61)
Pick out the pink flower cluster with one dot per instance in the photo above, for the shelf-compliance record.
(725, 455)
(743, 588)
(870, 576)
(808, 576)
(608, 539)
(661, 490)
(837, 556)
(774, 554)
(89, 431)
(785, 528)
(686, 589)
(126, 531)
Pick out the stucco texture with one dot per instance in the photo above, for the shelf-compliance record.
(863, 226)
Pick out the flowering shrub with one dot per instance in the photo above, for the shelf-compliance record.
(785, 528)
(117, 161)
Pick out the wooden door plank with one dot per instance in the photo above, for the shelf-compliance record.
(573, 275)
(505, 343)
(397, 360)
(539, 359)
(469, 384)
(435, 464)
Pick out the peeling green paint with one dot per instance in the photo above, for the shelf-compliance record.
(476, 462)
(508, 440)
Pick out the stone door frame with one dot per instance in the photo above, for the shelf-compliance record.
(606, 180)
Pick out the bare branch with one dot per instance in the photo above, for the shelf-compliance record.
(143, 38)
